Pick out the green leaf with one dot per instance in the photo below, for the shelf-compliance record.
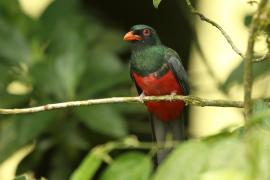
(65, 64)
(186, 162)
(108, 64)
(129, 166)
(258, 149)
(156, 3)
(17, 132)
(261, 114)
(21, 177)
(103, 119)
(12, 40)
(260, 106)
(225, 174)
(89, 165)
(59, 77)
(227, 158)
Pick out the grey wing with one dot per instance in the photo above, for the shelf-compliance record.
(179, 71)
(139, 90)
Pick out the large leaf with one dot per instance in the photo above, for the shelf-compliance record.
(13, 46)
(89, 165)
(108, 64)
(58, 77)
(103, 119)
(20, 130)
(225, 174)
(228, 159)
(258, 150)
(186, 162)
(129, 166)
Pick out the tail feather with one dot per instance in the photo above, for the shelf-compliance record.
(161, 129)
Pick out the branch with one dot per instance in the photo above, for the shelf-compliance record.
(132, 142)
(204, 18)
(189, 100)
(263, 58)
(248, 60)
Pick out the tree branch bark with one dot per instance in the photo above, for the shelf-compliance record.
(189, 100)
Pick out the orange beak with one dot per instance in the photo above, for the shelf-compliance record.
(132, 37)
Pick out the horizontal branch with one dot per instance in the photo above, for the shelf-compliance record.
(189, 100)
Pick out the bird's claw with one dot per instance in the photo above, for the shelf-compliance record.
(141, 97)
(172, 96)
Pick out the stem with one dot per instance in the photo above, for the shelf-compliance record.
(248, 61)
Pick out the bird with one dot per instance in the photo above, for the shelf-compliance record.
(157, 70)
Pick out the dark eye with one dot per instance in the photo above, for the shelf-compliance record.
(146, 32)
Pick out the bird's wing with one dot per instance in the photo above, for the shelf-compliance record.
(178, 69)
(139, 90)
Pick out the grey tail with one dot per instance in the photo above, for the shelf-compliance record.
(176, 129)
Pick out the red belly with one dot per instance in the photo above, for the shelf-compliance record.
(165, 85)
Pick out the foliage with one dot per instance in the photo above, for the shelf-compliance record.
(156, 3)
(239, 154)
(65, 55)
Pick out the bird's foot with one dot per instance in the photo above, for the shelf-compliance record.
(141, 97)
(172, 96)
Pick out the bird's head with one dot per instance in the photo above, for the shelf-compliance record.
(142, 35)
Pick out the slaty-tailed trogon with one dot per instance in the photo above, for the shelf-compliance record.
(157, 70)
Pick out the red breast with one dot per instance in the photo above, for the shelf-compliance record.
(165, 85)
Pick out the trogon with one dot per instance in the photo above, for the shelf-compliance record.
(158, 70)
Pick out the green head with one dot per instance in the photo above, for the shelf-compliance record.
(142, 36)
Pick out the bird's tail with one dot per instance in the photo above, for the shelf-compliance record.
(174, 129)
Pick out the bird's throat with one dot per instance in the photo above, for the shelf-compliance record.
(148, 60)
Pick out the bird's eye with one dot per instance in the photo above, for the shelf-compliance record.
(146, 32)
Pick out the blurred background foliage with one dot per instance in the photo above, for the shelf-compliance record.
(71, 51)
(74, 51)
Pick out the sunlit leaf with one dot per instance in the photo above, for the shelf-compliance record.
(228, 157)
(225, 174)
(261, 115)
(89, 165)
(156, 3)
(129, 166)
(186, 162)
(258, 149)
